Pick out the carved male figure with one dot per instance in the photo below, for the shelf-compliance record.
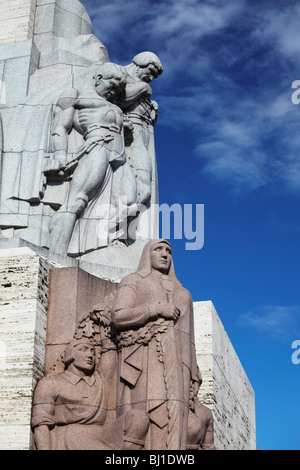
(200, 423)
(153, 315)
(70, 409)
(100, 122)
(142, 113)
(200, 428)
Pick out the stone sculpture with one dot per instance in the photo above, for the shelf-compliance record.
(153, 315)
(70, 409)
(100, 122)
(56, 58)
(201, 423)
(142, 113)
(70, 403)
(49, 144)
(144, 333)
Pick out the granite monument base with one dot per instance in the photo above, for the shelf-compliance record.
(35, 295)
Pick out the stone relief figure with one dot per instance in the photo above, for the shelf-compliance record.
(142, 113)
(100, 122)
(47, 154)
(153, 317)
(43, 138)
(200, 424)
(70, 409)
(201, 428)
(61, 56)
(131, 379)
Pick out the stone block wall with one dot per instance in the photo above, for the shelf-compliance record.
(16, 20)
(226, 389)
(22, 19)
(24, 280)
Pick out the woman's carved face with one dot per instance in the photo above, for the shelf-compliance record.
(161, 257)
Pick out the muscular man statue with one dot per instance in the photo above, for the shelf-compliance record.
(94, 115)
(142, 113)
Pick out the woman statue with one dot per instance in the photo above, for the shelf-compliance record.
(153, 318)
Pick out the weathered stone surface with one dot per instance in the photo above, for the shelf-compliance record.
(60, 48)
(24, 278)
(226, 388)
(53, 16)
(110, 263)
(18, 60)
(142, 336)
(24, 281)
(17, 20)
(73, 293)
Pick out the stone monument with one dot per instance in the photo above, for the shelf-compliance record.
(100, 345)
(78, 166)
(143, 395)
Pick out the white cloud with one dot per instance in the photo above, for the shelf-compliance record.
(233, 91)
(279, 25)
(292, 175)
(277, 321)
(243, 140)
(230, 166)
(172, 28)
(191, 17)
(279, 107)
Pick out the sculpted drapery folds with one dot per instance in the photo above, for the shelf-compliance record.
(153, 315)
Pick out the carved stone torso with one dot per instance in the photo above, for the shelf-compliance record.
(91, 111)
(99, 120)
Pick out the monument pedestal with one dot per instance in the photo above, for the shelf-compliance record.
(226, 388)
(31, 287)
(24, 289)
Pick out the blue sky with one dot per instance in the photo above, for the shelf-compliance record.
(228, 137)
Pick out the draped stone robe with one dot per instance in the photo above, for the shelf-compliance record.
(157, 359)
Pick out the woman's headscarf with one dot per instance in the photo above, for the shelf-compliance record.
(144, 269)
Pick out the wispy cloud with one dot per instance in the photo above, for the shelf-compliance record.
(247, 135)
(279, 25)
(280, 322)
(228, 70)
(172, 28)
